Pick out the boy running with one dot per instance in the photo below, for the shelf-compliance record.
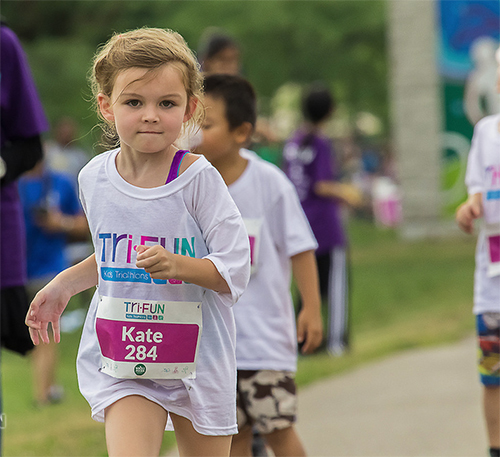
(281, 240)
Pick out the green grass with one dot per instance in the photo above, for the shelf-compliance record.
(404, 295)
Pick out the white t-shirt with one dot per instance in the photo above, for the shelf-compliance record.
(192, 215)
(483, 176)
(278, 230)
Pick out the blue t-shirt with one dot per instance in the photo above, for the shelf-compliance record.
(46, 251)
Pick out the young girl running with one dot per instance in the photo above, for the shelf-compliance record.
(483, 186)
(171, 258)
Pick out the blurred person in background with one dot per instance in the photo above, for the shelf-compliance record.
(309, 162)
(483, 186)
(64, 155)
(218, 52)
(52, 213)
(22, 123)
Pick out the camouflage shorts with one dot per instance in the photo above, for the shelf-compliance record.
(266, 400)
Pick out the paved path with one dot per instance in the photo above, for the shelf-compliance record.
(424, 402)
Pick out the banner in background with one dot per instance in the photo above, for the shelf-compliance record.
(468, 34)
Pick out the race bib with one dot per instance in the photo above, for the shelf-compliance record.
(492, 232)
(253, 227)
(148, 339)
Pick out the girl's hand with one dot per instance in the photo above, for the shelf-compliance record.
(47, 306)
(468, 211)
(157, 261)
(162, 264)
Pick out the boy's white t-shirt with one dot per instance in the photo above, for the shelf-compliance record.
(483, 176)
(192, 215)
(278, 229)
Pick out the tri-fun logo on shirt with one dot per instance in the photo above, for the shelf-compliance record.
(120, 248)
(493, 180)
(144, 310)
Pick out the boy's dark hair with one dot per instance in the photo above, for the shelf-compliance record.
(317, 104)
(238, 96)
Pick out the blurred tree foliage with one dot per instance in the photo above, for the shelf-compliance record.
(341, 42)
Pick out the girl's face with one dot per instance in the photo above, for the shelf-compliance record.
(147, 108)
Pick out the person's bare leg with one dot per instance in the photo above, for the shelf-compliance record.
(242, 443)
(134, 427)
(286, 443)
(193, 444)
(491, 402)
(44, 360)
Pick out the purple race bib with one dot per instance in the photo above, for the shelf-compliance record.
(147, 338)
(253, 227)
(492, 232)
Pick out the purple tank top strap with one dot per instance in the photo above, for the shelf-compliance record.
(176, 163)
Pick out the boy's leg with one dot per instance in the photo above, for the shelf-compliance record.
(259, 447)
(134, 427)
(192, 443)
(286, 443)
(270, 404)
(243, 440)
(491, 401)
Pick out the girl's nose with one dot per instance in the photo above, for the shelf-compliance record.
(150, 114)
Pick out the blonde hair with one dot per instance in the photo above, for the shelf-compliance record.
(148, 48)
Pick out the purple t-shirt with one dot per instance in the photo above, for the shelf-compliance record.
(307, 160)
(22, 116)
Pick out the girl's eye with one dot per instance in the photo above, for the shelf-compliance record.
(133, 103)
(166, 104)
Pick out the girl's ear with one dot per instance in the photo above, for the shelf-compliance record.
(190, 109)
(105, 107)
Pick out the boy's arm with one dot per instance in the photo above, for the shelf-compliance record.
(468, 211)
(309, 322)
(50, 302)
